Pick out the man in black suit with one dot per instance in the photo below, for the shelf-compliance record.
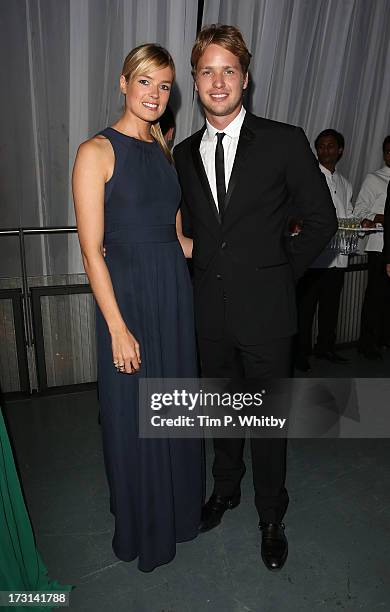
(239, 176)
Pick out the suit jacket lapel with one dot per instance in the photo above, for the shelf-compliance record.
(245, 143)
(199, 167)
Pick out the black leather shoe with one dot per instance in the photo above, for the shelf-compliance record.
(331, 356)
(274, 545)
(214, 509)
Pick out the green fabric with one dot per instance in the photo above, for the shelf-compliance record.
(21, 567)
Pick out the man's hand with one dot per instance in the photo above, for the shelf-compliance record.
(295, 226)
(388, 269)
(367, 223)
(379, 219)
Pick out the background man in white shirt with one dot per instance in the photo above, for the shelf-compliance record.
(323, 282)
(370, 206)
(386, 232)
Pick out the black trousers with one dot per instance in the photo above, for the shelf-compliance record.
(320, 286)
(226, 358)
(375, 318)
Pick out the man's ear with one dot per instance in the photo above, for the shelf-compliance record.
(246, 81)
(123, 84)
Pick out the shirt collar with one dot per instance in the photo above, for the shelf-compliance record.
(232, 130)
(328, 172)
(385, 170)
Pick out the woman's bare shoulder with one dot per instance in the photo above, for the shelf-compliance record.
(97, 149)
(97, 145)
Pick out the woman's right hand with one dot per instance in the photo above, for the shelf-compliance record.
(125, 351)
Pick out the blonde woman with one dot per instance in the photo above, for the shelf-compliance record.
(126, 197)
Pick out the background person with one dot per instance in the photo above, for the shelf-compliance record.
(168, 126)
(322, 284)
(386, 232)
(370, 206)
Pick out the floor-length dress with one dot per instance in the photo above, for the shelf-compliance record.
(156, 485)
(21, 566)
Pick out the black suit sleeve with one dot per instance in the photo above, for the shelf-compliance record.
(312, 200)
(386, 228)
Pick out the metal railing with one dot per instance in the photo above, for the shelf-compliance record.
(21, 232)
(30, 326)
(27, 310)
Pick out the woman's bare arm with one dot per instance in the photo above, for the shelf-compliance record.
(186, 243)
(89, 176)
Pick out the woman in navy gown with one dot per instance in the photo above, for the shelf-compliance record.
(127, 195)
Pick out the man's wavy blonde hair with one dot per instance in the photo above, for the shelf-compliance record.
(226, 36)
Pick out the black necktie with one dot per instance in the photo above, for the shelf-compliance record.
(220, 173)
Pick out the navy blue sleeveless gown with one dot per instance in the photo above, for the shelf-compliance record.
(156, 485)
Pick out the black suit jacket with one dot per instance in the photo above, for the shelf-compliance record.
(246, 268)
(386, 228)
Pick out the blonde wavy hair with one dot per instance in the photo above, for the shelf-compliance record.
(146, 58)
(226, 36)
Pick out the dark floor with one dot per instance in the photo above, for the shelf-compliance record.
(338, 521)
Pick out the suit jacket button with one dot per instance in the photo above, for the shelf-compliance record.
(219, 276)
(224, 245)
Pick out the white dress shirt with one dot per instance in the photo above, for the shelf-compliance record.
(208, 145)
(341, 191)
(371, 201)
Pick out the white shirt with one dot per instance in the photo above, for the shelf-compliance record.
(341, 191)
(208, 145)
(371, 201)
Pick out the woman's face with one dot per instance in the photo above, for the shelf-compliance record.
(147, 95)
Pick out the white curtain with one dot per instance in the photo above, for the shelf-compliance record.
(60, 67)
(319, 64)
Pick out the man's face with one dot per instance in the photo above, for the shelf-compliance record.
(219, 81)
(328, 151)
(386, 155)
